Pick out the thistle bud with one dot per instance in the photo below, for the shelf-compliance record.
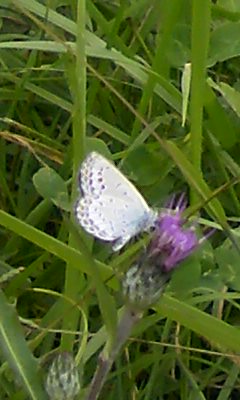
(143, 283)
(62, 381)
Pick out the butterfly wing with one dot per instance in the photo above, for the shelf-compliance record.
(111, 207)
(99, 176)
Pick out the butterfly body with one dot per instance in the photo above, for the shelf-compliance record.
(110, 208)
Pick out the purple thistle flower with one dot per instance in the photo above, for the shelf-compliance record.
(172, 242)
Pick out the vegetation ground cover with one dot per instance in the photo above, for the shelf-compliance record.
(114, 77)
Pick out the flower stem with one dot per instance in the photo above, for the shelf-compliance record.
(74, 279)
(128, 320)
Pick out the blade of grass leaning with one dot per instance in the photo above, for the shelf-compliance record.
(220, 334)
(163, 88)
(160, 65)
(195, 179)
(216, 331)
(201, 19)
(74, 279)
(16, 351)
(106, 301)
(229, 384)
(50, 244)
(219, 160)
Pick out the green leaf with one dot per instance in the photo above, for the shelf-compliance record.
(228, 261)
(232, 6)
(186, 278)
(231, 95)
(219, 121)
(179, 52)
(51, 186)
(142, 166)
(98, 145)
(224, 43)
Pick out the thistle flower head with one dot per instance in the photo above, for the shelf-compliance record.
(172, 241)
(62, 381)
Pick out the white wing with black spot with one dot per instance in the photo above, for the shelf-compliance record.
(111, 208)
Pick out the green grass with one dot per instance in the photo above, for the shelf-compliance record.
(78, 76)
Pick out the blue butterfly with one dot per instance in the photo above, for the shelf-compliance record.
(111, 208)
